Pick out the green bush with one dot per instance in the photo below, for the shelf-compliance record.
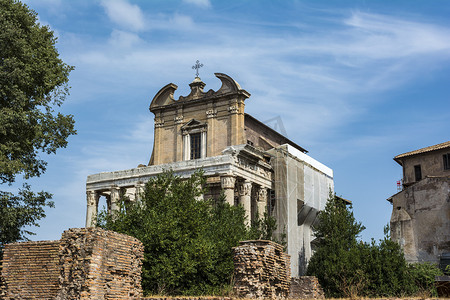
(347, 267)
(422, 276)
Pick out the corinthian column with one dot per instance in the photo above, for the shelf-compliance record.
(245, 192)
(227, 183)
(91, 211)
(262, 202)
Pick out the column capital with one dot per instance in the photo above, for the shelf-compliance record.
(262, 194)
(245, 188)
(227, 181)
(92, 198)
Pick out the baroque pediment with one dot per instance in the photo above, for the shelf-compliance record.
(165, 96)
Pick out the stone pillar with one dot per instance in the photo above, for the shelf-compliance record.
(262, 202)
(203, 141)
(138, 191)
(186, 146)
(245, 198)
(114, 198)
(92, 206)
(227, 183)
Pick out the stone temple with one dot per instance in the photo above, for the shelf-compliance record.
(254, 165)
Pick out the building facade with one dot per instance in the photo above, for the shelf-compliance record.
(420, 219)
(253, 165)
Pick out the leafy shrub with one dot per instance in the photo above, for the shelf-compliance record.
(422, 276)
(348, 268)
(188, 243)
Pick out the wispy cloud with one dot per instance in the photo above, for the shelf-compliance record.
(200, 3)
(124, 14)
(314, 74)
(123, 39)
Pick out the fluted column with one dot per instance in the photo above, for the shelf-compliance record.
(262, 202)
(228, 183)
(92, 206)
(245, 192)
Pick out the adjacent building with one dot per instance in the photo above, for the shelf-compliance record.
(420, 219)
(254, 165)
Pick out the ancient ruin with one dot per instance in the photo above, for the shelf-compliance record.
(86, 263)
(254, 165)
(261, 270)
(420, 219)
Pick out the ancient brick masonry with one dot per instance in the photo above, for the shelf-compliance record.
(30, 270)
(87, 263)
(261, 270)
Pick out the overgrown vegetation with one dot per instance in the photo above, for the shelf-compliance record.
(347, 267)
(188, 243)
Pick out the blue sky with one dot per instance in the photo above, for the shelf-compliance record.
(354, 82)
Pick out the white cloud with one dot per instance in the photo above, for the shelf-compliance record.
(124, 14)
(201, 3)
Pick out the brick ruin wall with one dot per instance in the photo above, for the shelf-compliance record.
(31, 270)
(87, 263)
(261, 270)
(92, 263)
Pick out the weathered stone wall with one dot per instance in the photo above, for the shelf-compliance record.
(261, 270)
(306, 287)
(420, 219)
(31, 270)
(87, 263)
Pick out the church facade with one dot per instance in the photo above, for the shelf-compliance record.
(254, 165)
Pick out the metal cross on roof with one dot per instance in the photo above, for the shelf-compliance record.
(197, 66)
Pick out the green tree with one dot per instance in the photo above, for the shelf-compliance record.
(347, 267)
(33, 84)
(188, 243)
(334, 262)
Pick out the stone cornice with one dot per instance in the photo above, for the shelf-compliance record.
(227, 164)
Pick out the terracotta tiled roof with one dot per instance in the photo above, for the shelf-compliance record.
(424, 150)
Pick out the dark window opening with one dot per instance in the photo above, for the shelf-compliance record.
(418, 172)
(446, 161)
(195, 145)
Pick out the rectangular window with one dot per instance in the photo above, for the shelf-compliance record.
(446, 161)
(196, 144)
(418, 172)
